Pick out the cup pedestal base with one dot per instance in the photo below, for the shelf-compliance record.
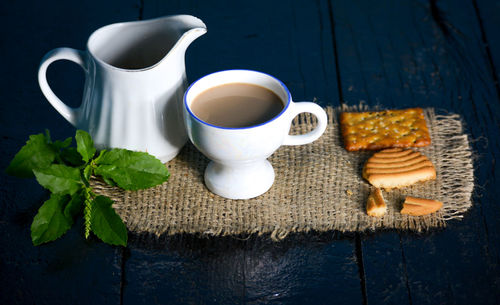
(239, 181)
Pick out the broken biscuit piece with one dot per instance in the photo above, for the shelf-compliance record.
(376, 130)
(419, 206)
(396, 167)
(375, 205)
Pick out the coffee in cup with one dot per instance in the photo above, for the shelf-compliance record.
(237, 105)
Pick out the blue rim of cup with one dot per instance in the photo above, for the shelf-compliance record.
(289, 98)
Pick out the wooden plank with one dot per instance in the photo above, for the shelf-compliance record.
(292, 42)
(69, 270)
(397, 55)
(185, 270)
(305, 268)
(385, 270)
(475, 241)
(308, 268)
(488, 12)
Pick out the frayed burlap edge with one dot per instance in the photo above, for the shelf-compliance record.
(318, 187)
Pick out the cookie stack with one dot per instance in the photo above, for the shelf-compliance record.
(395, 166)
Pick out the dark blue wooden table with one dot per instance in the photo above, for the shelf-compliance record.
(443, 54)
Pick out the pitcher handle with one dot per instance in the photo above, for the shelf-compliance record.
(313, 135)
(73, 55)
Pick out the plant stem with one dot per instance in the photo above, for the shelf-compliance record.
(87, 211)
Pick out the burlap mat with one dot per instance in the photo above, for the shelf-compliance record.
(318, 187)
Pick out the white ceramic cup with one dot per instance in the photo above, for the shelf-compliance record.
(239, 169)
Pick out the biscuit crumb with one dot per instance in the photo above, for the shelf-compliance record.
(375, 205)
(419, 206)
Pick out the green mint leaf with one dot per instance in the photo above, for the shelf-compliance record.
(57, 144)
(74, 206)
(85, 145)
(109, 181)
(50, 223)
(47, 136)
(59, 179)
(87, 172)
(62, 144)
(131, 170)
(103, 152)
(37, 153)
(71, 156)
(106, 224)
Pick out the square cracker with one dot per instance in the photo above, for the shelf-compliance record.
(376, 130)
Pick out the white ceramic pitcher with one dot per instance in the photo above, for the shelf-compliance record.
(134, 83)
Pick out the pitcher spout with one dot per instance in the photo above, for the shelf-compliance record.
(142, 45)
(183, 29)
(193, 28)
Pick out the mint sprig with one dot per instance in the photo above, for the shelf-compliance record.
(65, 171)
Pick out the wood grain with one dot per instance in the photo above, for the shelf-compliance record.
(404, 54)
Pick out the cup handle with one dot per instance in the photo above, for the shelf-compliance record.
(73, 55)
(313, 135)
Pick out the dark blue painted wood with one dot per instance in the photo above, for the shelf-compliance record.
(488, 14)
(474, 242)
(489, 17)
(415, 53)
(70, 270)
(393, 54)
(307, 268)
(185, 270)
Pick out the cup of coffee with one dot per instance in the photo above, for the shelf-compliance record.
(238, 118)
